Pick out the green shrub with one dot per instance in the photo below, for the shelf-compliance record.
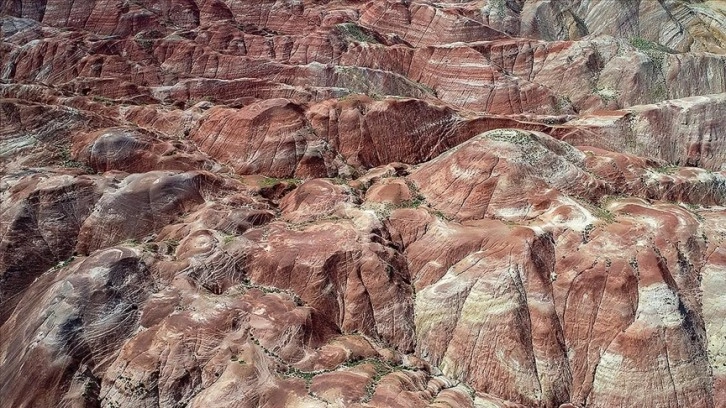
(355, 33)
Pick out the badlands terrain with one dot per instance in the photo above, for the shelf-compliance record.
(350, 203)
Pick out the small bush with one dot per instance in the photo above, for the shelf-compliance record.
(67, 161)
(271, 181)
(667, 169)
(643, 44)
(604, 215)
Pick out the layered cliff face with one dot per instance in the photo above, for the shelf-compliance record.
(491, 203)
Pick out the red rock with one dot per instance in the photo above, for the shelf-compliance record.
(313, 200)
(475, 180)
(393, 191)
(132, 150)
(244, 139)
(139, 205)
(345, 386)
(362, 203)
(471, 297)
(354, 280)
(422, 24)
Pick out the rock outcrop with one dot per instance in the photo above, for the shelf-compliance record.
(419, 203)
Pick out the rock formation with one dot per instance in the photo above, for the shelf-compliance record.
(396, 203)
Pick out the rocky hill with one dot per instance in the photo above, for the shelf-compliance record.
(389, 203)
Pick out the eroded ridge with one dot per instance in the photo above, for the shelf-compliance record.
(362, 203)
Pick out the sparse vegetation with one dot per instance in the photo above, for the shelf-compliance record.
(382, 368)
(659, 93)
(340, 181)
(382, 210)
(633, 262)
(66, 160)
(510, 135)
(347, 96)
(441, 215)
(630, 135)
(145, 43)
(656, 53)
(604, 215)
(666, 169)
(193, 101)
(642, 44)
(606, 94)
(137, 389)
(306, 375)
(172, 244)
(354, 32)
(606, 200)
(498, 7)
(63, 264)
(418, 198)
(103, 100)
(413, 203)
(132, 242)
(427, 89)
(646, 45)
(236, 359)
(271, 181)
(693, 208)
(247, 284)
(563, 105)
(586, 233)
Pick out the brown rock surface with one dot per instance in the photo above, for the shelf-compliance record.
(414, 203)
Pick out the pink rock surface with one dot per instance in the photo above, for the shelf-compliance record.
(362, 203)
